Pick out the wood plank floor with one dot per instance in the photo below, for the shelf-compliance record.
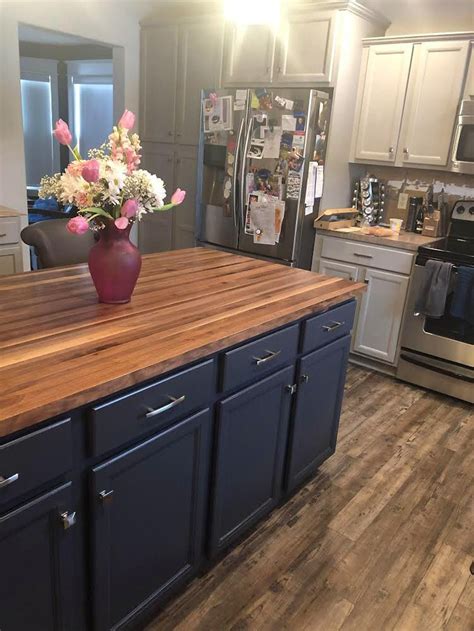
(380, 539)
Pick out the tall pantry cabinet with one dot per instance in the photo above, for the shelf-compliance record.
(179, 57)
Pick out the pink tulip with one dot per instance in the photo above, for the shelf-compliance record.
(129, 209)
(127, 120)
(178, 197)
(90, 171)
(61, 133)
(121, 223)
(77, 225)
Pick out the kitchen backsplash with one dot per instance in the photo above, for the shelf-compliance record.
(410, 181)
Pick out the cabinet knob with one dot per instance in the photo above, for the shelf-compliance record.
(304, 378)
(170, 133)
(179, 134)
(405, 150)
(291, 389)
(68, 519)
(106, 495)
(390, 150)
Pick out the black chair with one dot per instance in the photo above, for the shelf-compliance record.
(54, 245)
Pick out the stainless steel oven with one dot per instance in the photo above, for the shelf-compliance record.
(463, 146)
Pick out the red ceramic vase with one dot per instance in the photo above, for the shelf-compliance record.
(114, 264)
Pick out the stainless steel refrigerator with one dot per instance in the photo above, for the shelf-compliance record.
(238, 156)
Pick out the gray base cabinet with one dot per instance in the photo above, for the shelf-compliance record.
(120, 504)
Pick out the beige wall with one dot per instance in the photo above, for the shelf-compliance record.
(108, 22)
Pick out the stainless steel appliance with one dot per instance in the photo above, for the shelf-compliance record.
(438, 353)
(232, 163)
(463, 146)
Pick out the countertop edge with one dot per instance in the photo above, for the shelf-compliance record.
(407, 241)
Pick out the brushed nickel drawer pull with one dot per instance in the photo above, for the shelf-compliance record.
(262, 360)
(68, 519)
(106, 495)
(7, 481)
(364, 256)
(164, 408)
(333, 326)
(4, 234)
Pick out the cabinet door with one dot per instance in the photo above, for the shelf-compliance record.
(249, 54)
(37, 587)
(10, 261)
(159, 72)
(380, 101)
(306, 48)
(434, 92)
(380, 315)
(314, 424)
(334, 268)
(155, 230)
(251, 438)
(148, 508)
(200, 55)
(184, 215)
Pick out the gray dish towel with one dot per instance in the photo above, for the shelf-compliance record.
(435, 285)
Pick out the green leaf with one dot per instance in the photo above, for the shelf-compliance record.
(96, 211)
(165, 207)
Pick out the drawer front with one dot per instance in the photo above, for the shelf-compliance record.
(120, 420)
(369, 255)
(328, 326)
(259, 358)
(29, 462)
(9, 231)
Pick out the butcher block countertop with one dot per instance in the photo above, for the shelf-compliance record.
(61, 349)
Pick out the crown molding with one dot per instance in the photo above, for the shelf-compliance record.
(352, 6)
(420, 37)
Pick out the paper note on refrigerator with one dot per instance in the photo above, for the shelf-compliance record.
(311, 186)
(271, 142)
(288, 122)
(241, 95)
(262, 222)
(319, 181)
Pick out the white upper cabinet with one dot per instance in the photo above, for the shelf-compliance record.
(248, 55)
(200, 55)
(159, 74)
(305, 51)
(382, 88)
(433, 95)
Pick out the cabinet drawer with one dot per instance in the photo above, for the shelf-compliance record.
(327, 327)
(9, 231)
(259, 358)
(365, 254)
(122, 419)
(31, 461)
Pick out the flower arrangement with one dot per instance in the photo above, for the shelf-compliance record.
(108, 186)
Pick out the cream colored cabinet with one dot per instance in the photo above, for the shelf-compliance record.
(342, 270)
(170, 229)
(408, 96)
(380, 315)
(305, 50)
(249, 54)
(433, 95)
(382, 89)
(177, 62)
(301, 53)
(159, 78)
(11, 260)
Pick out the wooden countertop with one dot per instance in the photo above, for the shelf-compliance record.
(60, 348)
(404, 240)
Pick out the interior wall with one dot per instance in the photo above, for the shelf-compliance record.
(104, 22)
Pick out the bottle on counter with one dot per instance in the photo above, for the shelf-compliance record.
(420, 217)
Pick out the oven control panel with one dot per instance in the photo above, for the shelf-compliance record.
(463, 210)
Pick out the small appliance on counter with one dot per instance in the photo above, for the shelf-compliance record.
(368, 199)
(438, 352)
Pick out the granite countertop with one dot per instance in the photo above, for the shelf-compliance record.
(61, 349)
(404, 241)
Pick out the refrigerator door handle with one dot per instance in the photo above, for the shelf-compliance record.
(236, 173)
(243, 183)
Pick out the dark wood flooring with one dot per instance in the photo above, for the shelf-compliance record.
(380, 539)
